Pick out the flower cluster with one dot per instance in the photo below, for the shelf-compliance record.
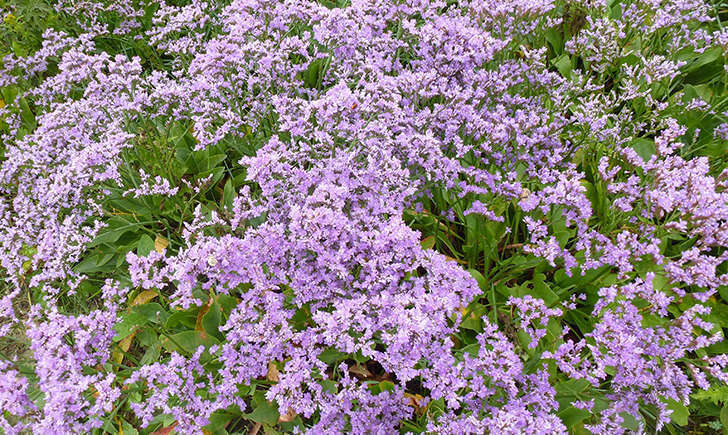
(369, 216)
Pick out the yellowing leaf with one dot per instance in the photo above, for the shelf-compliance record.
(121, 431)
(256, 428)
(273, 374)
(124, 346)
(160, 244)
(428, 242)
(361, 371)
(414, 400)
(455, 260)
(288, 416)
(144, 297)
(165, 430)
(203, 310)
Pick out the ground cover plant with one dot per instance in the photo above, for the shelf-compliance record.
(363, 216)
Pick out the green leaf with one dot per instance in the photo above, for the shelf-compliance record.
(630, 422)
(211, 320)
(331, 355)
(209, 162)
(145, 245)
(703, 92)
(559, 228)
(130, 205)
(301, 318)
(288, 426)
(152, 312)
(187, 342)
(555, 39)
(90, 264)
(147, 336)
(542, 290)
(218, 422)
(707, 66)
(217, 174)
(129, 322)
(724, 416)
(265, 413)
(717, 394)
(572, 416)
(151, 355)
(645, 148)
(570, 390)
(723, 291)
(471, 349)
(482, 282)
(26, 115)
(708, 56)
(378, 387)
(386, 386)
(474, 316)
(581, 320)
(313, 75)
(563, 64)
(103, 259)
(228, 303)
(228, 194)
(680, 412)
(182, 318)
(117, 227)
(329, 386)
(8, 93)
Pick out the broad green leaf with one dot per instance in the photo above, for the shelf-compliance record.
(563, 65)
(555, 39)
(211, 320)
(129, 322)
(557, 222)
(680, 412)
(630, 422)
(151, 355)
(152, 312)
(187, 342)
(218, 422)
(378, 387)
(331, 355)
(542, 290)
(473, 317)
(117, 227)
(228, 194)
(228, 303)
(182, 318)
(645, 148)
(145, 245)
(571, 416)
(265, 413)
(482, 282)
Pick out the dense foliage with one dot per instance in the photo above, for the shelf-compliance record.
(363, 216)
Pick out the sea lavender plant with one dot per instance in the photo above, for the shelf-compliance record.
(368, 216)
